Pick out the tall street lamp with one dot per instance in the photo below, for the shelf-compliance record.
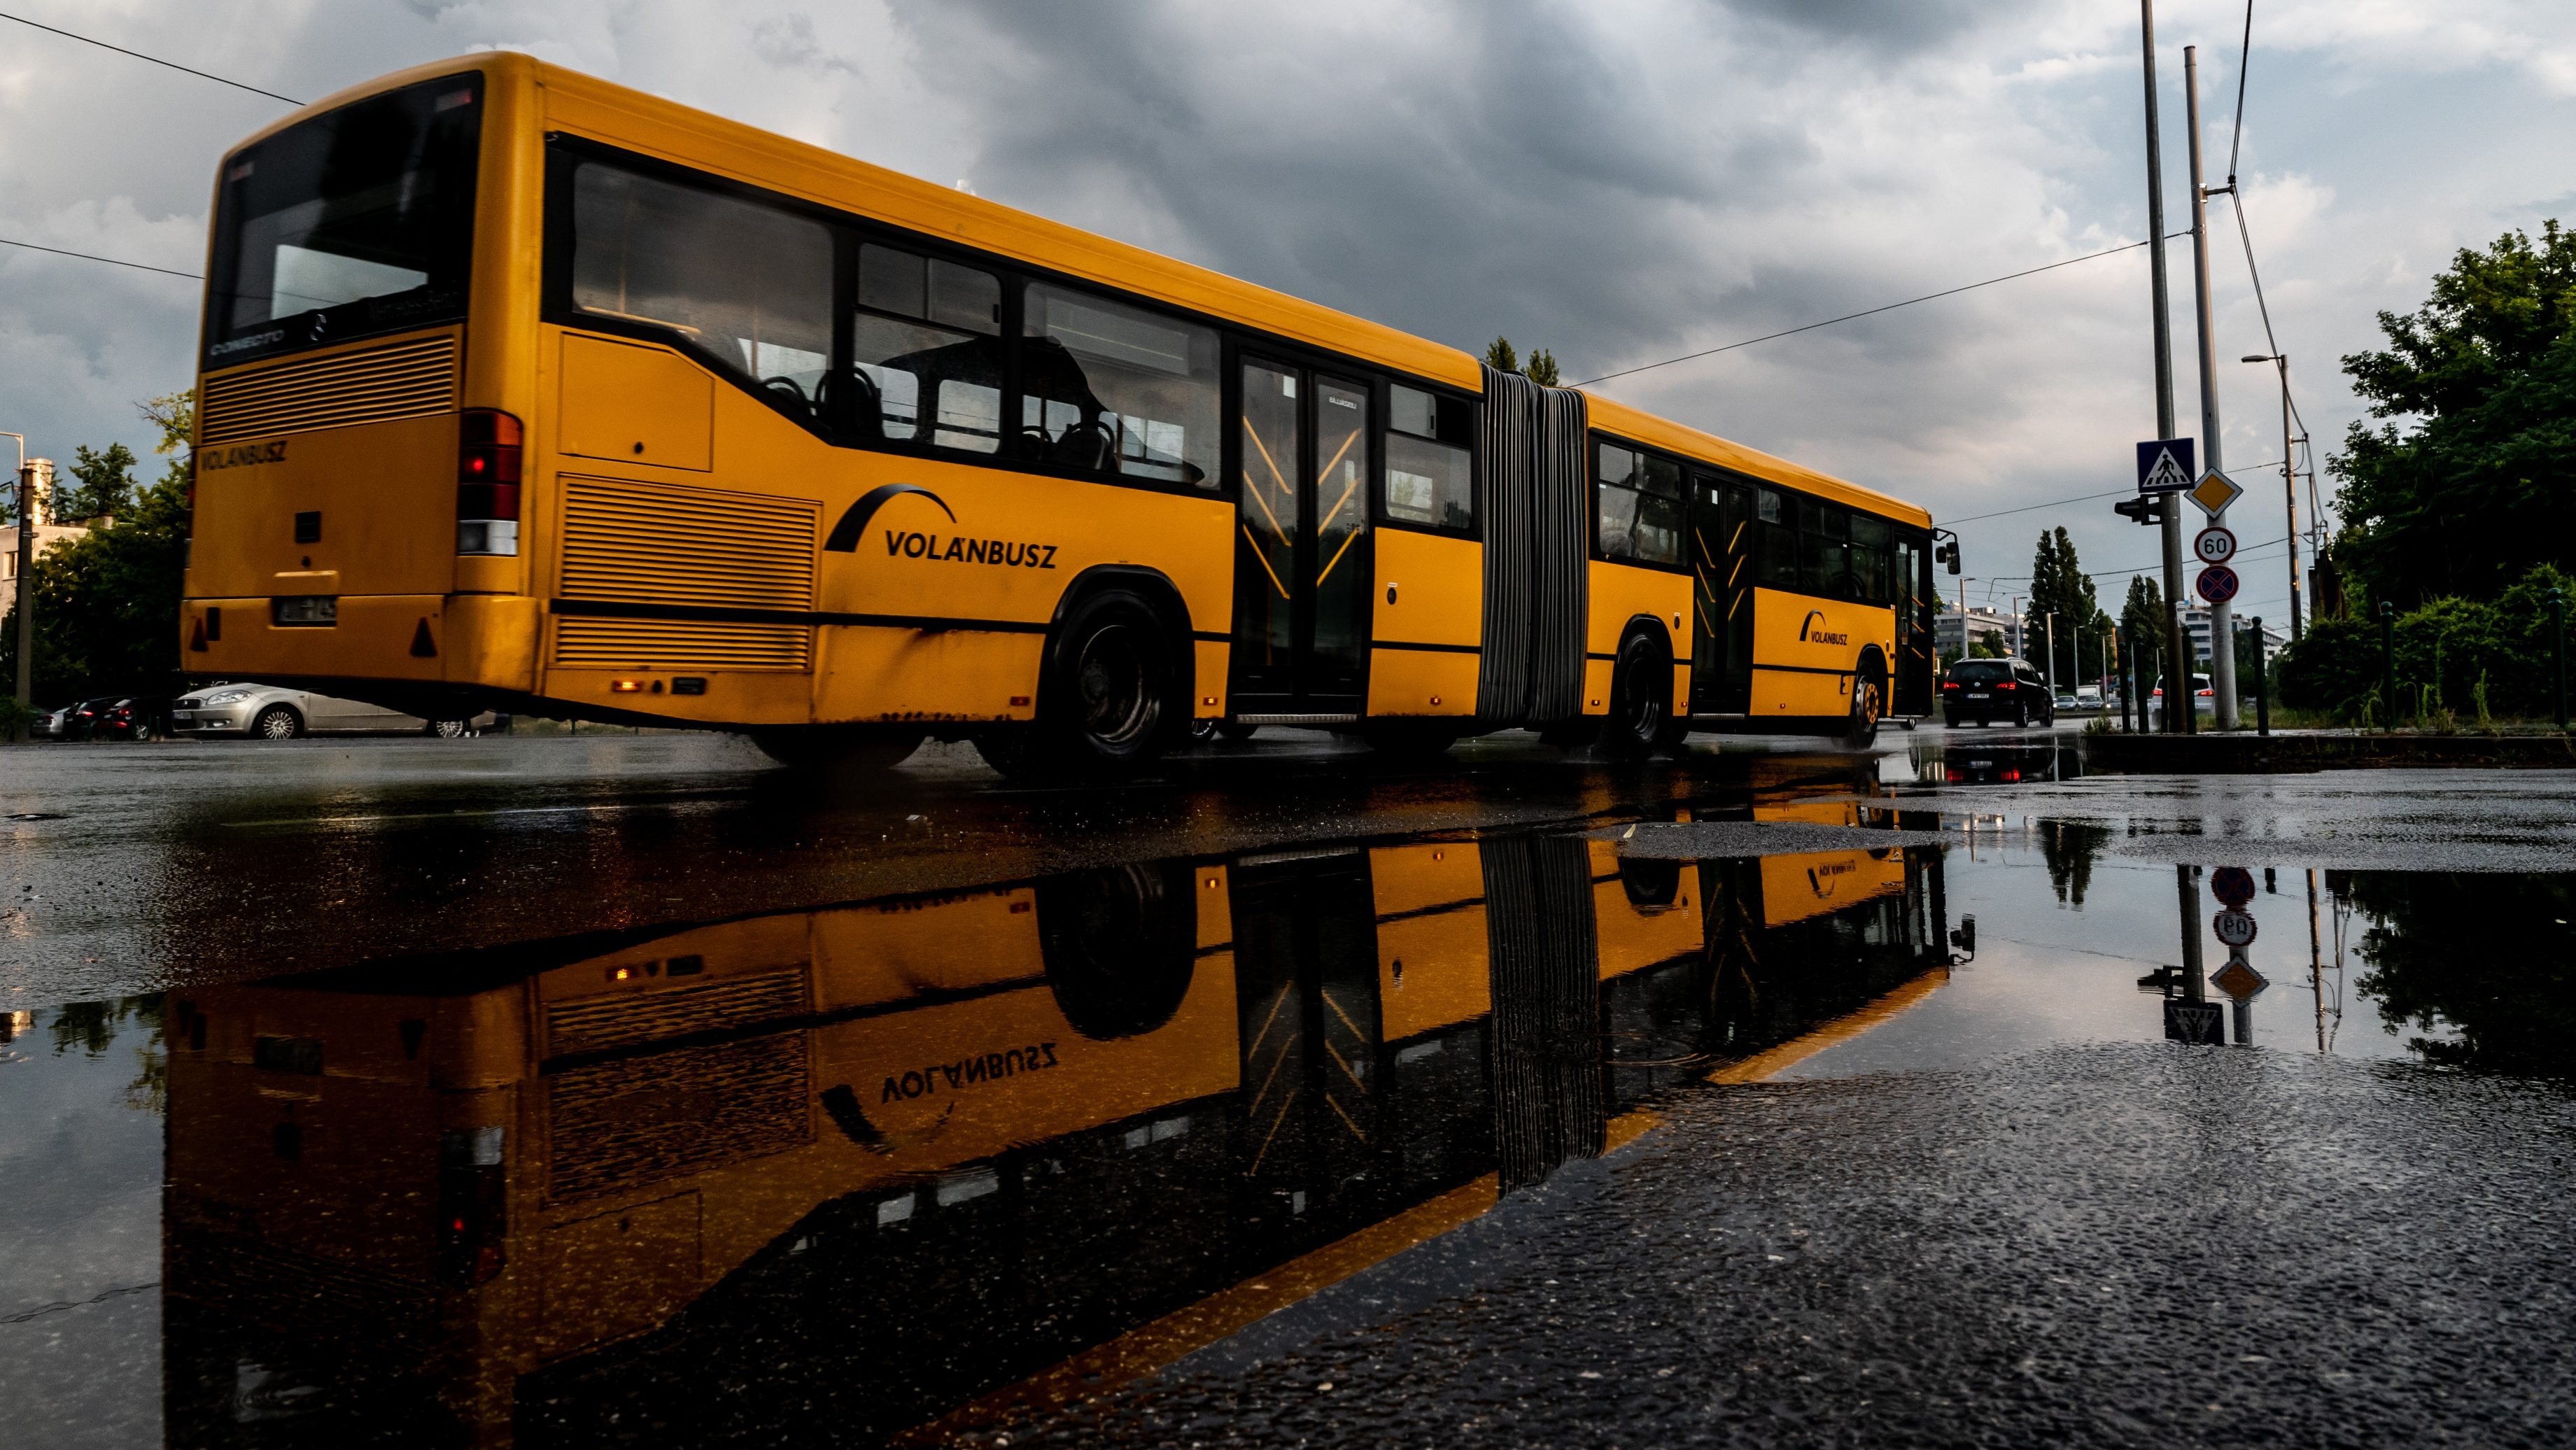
(2289, 481)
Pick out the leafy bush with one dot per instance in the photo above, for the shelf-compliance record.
(2495, 652)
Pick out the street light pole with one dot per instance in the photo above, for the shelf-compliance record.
(2222, 631)
(2289, 481)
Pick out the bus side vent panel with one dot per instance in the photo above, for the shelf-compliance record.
(628, 1018)
(1504, 501)
(411, 379)
(1562, 523)
(659, 545)
(629, 1122)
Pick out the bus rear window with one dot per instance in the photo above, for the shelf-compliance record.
(356, 222)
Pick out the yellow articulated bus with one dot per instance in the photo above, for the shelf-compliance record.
(521, 390)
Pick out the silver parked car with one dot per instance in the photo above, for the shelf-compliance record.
(269, 712)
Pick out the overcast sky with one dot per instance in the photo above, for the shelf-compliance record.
(1619, 181)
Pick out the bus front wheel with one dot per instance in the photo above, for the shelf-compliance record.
(1104, 703)
(1868, 707)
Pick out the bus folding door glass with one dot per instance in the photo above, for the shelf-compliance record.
(1118, 389)
(1616, 499)
(1342, 519)
(364, 214)
(927, 338)
(1271, 468)
(1824, 549)
(1428, 481)
(1656, 537)
(744, 285)
(1779, 539)
(1869, 562)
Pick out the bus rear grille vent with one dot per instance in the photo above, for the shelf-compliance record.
(650, 645)
(654, 544)
(371, 385)
(632, 1017)
(629, 1122)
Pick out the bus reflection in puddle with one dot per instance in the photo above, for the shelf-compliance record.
(845, 1171)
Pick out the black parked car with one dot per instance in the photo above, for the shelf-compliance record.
(1990, 690)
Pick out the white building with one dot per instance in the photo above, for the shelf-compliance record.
(2195, 622)
(1952, 628)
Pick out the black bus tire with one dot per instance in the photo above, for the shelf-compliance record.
(1868, 707)
(1106, 701)
(1640, 721)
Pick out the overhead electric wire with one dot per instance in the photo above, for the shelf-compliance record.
(111, 261)
(1874, 311)
(2062, 502)
(156, 60)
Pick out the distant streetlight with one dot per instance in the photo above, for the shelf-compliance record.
(2289, 480)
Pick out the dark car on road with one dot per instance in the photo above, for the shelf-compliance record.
(1986, 691)
(115, 717)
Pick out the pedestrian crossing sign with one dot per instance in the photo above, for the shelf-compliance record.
(2165, 465)
(2215, 492)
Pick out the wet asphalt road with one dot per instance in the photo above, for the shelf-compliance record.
(2119, 1245)
(2008, 1216)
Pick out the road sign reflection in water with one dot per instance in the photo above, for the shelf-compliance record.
(2235, 927)
(2203, 1023)
(2232, 884)
(2238, 979)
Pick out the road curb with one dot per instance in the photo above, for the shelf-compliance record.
(2244, 754)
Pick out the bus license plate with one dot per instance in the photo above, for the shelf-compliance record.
(307, 609)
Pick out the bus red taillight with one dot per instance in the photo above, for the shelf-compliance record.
(487, 482)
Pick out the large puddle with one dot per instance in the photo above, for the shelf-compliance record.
(897, 1168)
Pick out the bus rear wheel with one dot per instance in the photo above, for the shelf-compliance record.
(1641, 702)
(1105, 706)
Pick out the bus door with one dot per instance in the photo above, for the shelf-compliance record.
(1722, 543)
(1914, 614)
(1302, 565)
(1306, 995)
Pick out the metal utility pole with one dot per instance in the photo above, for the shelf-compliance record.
(2222, 630)
(2171, 506)
(2289, 480)
(2048, 642)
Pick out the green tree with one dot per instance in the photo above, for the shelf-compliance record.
(2060, 585)
(101, 485)
(2142, 618)
(1500, 357)
(1542, 368)
(107, 603)
(2480, 485)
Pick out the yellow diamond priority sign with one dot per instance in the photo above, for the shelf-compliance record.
(2215, 492)
(2238, 979)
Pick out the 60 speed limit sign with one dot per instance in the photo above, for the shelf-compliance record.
(2235, 928)
(2215, 544)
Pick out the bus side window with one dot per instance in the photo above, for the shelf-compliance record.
(927, 337)
(1615, 499)
(1870, 538)
(744, 285)
(1824, 566)
(1109, 387)
(1657, 537)
(1428, 480)
(1779, 540)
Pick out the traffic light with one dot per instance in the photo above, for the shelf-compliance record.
(2144, 509)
